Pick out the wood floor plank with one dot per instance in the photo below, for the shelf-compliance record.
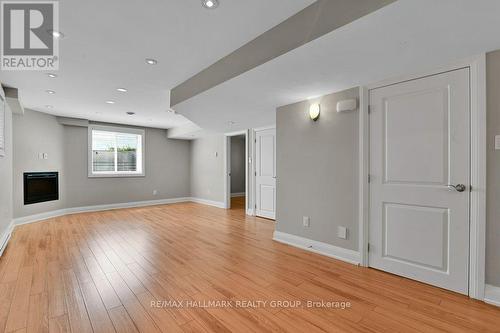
(18, 315)
(77, 313)
(121, 270)
(95, 307)
(121, 320)
(59, 324)
(38, 317)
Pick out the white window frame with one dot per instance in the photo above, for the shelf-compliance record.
(114, 174)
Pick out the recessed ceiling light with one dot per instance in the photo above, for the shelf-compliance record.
(130, 113)
(110, 102)
(56, 34)
(122, 89)
(151, 61)
(51, 75)
(210, 4)
(50, 92)
(49, 106)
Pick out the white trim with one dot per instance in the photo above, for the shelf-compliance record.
(129, 130)
(477, 66)
(325, 249)
(492, 295)
(217, 204)
(227, 166)
(250, 211)
(99, 208)
(364, 169)
(264, 128)
(4, 240)
(237, 195)
(477, 239)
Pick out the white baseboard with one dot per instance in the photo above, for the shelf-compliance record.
(492, 295)
(240, 194)
(250, 212)
(97, 208)
(328, 250)
(5, 237)
(217, 204)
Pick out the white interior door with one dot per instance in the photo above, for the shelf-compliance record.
(419, 145)
(265, 174)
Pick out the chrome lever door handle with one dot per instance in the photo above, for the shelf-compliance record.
(458, 187)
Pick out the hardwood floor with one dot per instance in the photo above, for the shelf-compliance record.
(106, 271)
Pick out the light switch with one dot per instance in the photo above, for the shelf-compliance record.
(497, 142)
(45, 156)
(342, 232)
(306, 222)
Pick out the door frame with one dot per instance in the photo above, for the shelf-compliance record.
(227, 167)
(477, 230)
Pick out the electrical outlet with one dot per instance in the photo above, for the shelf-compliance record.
(306, 222)
(45, 156)
(155, 192)
(342, 232)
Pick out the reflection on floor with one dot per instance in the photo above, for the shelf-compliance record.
(192, 268)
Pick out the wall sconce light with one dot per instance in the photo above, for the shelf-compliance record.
(314, 111)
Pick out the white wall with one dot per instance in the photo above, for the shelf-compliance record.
(6, 177)
(207, 169)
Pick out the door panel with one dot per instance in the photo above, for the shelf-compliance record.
(265, 178)
(419, 144)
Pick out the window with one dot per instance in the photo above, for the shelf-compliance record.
(115, 152)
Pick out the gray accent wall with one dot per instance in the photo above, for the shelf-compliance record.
(167, 166)
(238, 161)
(493, 173)
(167, 171)
(37, 133)
(317, 170)
(207, 168)
(6, 177)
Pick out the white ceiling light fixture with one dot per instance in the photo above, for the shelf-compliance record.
(51, 75)
(56, 34)
(151, 61)
(49, 106)
(122, 89)
(50, 92)
(210, 4)
(110, 102)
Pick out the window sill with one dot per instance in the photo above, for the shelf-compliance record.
(111, 175)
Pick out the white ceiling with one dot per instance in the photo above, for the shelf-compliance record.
(403, 38)
(106, 44)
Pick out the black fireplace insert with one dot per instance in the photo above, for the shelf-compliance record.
(40, 187)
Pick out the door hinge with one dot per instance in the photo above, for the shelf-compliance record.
(368, 247)
(369, 178)
(369, 109)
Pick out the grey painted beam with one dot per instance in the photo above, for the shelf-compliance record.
(318, 19)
